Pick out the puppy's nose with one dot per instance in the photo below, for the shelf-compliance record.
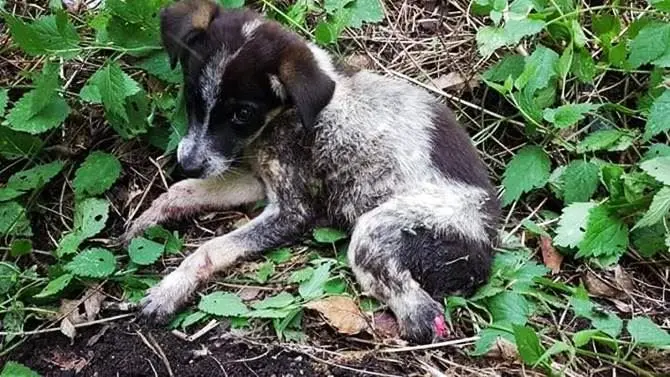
(192, 168)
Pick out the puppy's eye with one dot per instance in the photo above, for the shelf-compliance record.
(242, 115)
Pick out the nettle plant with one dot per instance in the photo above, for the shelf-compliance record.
(109, 61)
(600, 153)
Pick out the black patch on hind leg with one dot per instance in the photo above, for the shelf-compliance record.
(445, 265)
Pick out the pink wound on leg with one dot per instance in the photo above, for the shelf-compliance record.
(440, 326)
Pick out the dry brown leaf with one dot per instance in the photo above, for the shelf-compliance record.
(93, 303)
(359, 61)
(248, 293)
(503, 349)
(454, 80)
(342, 313)
(67, 328)
(597, 286)
(70, 310)
(623, 279)
(69, 362)
(552, 258)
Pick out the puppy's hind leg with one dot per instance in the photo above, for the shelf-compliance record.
(191, 196)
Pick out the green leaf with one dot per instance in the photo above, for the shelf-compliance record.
(658, 120)
(325, 33)
(90, 216)
(583, 66)
(15, 144)
(13, 220)
(4, 99)
(607, 322)
(223, 304)
(528, 344)
(572, 224)
(29, 179)
(659, 208)
(56, 285)
(649, 44)
(279, 301)
(606, 235)
(509, 66)
(279, 256)
(539, 70)
(602, 140)
(20, 247)
(510, 307)
(369, 11)
(231, 3)
(14, 369)
(265, 271)
(111, 86)
(301, 275)
(488, 338)
(328, 235)
(580, 180)
(145, 252)
(568, 115)
(22, 118)
(650, 240)
(46, 86)
(48, 35)
(96, 174)
(529, 169)
(491, 38)
(555, 349)
(581, 338)
(659, 168)
(159, 66)
(578, 37)
(313, 287)
(331, 6)
(94, 263)
(646, 332)
(9, 276)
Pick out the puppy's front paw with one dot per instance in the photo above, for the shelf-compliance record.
(424, 324)
(168, 296)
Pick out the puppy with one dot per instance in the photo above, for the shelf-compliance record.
(272, 117)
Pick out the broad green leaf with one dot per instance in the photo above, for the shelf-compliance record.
(580, 180)
(20, 247)
(328, 235)
(4, 100)
(90, 216)
(659, 208)
(555, 349)
(14, 369)
(583, 66)
(48, 35)
(659, 168)
(663, 5)
(223, 304)
(193, 318)
(173, 243)
(491, 38)
(94, 263)
(22, 118)
(658, 120)
(509, 66)
(325, 33)
(281, 300)
(96, 174)
(603, 140)
(646, 332)
(279, 256)
(568, 115)
(649, 44)
(231, 3)
(46, 86)
(581, 338)
(56, 285)
(14, 144)
(607, 322)
(159, 66)
(510, 307)
(369, 11)
(29, 179)
(13, 220)
(144, 252)
(656, 150)
(301, 275)
(649, 240)
(313, 287)
(331, 6)
(270, 313)
(9, 276)
(488, 338)
(529, 169)
(265, 271)
(528, 344)
(539, 70)
(112, 85)
(606, 235)
(578, 37)
(135, 120)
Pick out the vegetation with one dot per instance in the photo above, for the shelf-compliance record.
(581, 108)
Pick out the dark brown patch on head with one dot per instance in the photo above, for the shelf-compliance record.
(183, 21)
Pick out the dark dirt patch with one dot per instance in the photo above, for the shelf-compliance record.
(122, 351)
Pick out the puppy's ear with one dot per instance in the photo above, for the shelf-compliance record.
(308, 86)
(181, 22)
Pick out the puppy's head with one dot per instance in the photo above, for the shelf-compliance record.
(240, 70)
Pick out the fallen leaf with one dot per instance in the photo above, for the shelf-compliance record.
(248, 293)
(69, 362)
(552, 258)
(598, 286)
(342, 313)
(359, 61)
(93, 302)
(623, 279)
(503, 349)
(67, 328)
(454, 80)
(70, 309)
